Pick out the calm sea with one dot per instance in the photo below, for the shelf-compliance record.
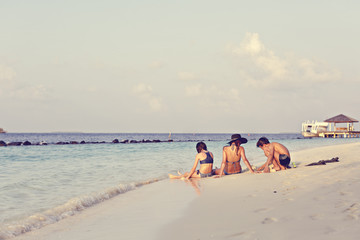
(44, 184)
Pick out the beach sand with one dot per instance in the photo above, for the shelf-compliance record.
(314, 202)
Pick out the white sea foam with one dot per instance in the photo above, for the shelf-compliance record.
(70, 208)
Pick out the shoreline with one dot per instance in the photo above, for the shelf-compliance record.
(131, 216)
(316, 201)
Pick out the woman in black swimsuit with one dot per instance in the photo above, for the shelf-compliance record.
(206, 160)
(232, 155)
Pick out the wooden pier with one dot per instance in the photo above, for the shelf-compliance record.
(340, 134)
(328, 128)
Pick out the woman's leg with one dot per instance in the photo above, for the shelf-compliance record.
(216, 171)
(195, 175)
(172, 176)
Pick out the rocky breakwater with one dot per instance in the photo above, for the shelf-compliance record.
(115, 141)
(141, 141)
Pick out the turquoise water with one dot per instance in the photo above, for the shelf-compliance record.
(44, 184)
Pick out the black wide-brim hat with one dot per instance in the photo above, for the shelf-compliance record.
(236, 137)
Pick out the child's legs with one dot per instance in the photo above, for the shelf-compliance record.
(276, 162)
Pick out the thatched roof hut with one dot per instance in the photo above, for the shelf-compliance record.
(341, 118)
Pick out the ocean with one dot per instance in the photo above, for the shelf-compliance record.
(42, 184)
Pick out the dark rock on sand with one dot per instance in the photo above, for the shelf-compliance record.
(323, 162)
(335, 159)
(115, 141)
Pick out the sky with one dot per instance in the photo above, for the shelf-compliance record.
(187, 66)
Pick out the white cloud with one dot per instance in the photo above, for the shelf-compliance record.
(250, 45)
(144, 92)
(9, 87)
(273, 65)
(214, 95)
(7, 76)
(186, 76)
(317, 71)
(263, 68)
(224, 95)
(156, 64)
(156, 104)
(6, 73)
(193, 90)
(38, 92)
(142, 89)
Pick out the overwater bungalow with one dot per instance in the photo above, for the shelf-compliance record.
(328, 128)
(346, 131)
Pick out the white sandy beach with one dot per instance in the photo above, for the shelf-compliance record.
(315, 202)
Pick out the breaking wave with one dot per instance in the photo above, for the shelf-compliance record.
(70, 208)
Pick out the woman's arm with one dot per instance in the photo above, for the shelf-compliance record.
(194, 167)
(223, 163)
(245, 160)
